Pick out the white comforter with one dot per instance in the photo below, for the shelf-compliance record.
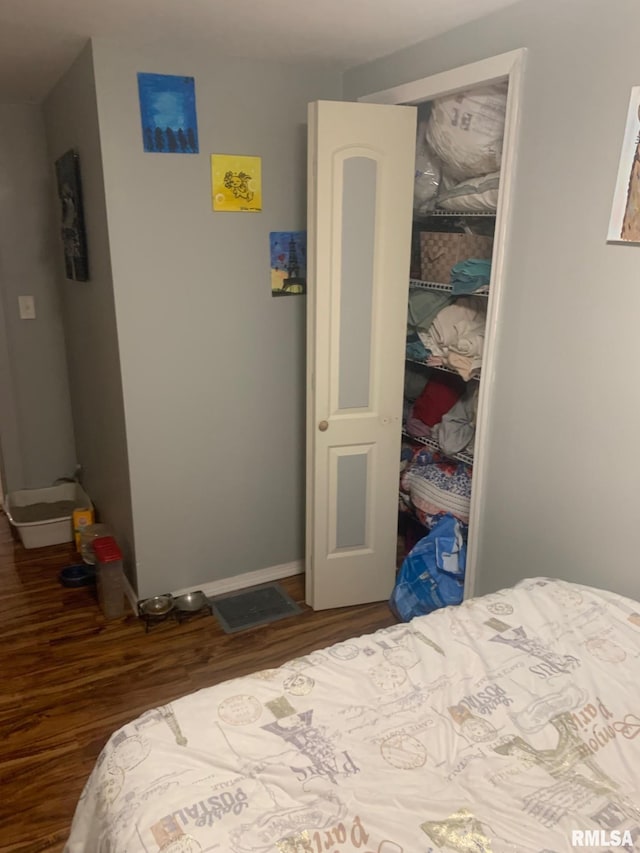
(504, 725)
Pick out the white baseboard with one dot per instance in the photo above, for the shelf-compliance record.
(130, 595)
(267, 575)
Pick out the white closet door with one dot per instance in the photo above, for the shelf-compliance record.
(361, 169)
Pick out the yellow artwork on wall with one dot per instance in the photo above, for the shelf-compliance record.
(236, 182)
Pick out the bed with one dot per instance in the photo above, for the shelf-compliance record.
(508, 724)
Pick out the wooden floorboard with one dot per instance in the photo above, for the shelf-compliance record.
(70, 678)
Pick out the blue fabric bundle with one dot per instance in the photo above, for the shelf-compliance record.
(432, 574)
(415, 348)
(469, 275)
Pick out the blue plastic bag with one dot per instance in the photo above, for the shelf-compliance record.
(432, 574)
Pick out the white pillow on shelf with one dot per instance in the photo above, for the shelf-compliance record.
(465, 130)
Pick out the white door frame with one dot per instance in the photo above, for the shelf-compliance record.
(505, 66)
(12, 467)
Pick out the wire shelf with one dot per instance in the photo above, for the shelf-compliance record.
(432, 444)
(445, 288)
(475, 213)
(442, 367)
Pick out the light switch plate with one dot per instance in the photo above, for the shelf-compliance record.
(27, 307)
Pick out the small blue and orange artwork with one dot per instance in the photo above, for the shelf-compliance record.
(168, 113)
(288, 262)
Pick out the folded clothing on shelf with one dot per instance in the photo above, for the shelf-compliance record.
(437, 398)
(414, 382)
(470, 275)
(433, 485)
(457, 335)
(415, 348)
(424, 307)
(456, 432)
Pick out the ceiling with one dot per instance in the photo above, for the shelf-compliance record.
(40, 38)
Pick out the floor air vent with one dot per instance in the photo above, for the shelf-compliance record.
(247, 608)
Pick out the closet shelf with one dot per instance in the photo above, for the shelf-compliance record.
(482, 213)
(442, 367)
(446, 288)
(432, 444)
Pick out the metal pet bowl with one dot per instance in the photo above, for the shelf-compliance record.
(157, 606)
(191, 601)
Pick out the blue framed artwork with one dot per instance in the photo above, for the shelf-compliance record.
(168, 113)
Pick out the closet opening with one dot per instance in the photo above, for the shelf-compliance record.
(465, 155)
(382, 244)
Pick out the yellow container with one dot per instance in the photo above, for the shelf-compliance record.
(82, 516)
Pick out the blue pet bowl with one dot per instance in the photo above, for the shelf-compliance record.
(80, 575)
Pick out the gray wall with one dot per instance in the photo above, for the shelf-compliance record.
(212, 365)
(88, 307)
(37, 442)
(562, 497)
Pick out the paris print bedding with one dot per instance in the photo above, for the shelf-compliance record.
(509, 724)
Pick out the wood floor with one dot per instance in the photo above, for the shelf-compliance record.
(70, 678)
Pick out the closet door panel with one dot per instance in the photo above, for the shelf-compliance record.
(361, 168)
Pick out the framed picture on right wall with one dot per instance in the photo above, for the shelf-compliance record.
(624, 224)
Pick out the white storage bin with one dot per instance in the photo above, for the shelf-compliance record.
(44, 516)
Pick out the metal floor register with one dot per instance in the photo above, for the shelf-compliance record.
(238, 611)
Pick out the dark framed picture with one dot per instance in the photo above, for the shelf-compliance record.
(74, 237)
